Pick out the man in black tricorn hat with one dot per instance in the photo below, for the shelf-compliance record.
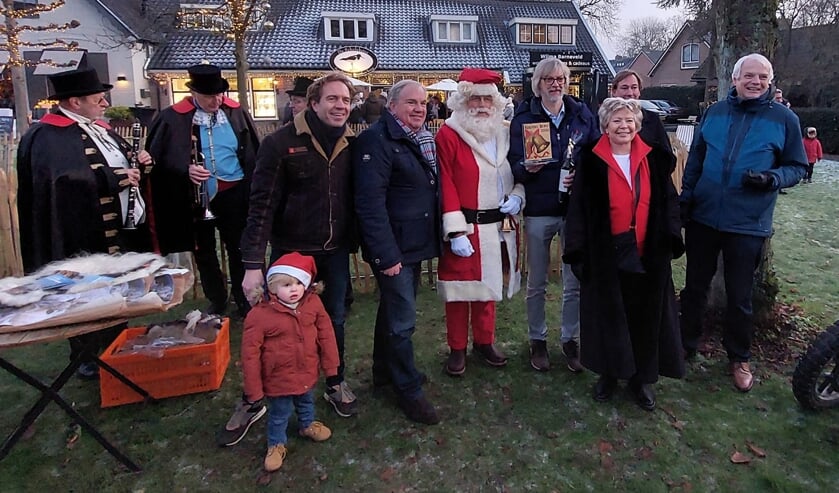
(296, 98)
(73, 185)
(208, 124)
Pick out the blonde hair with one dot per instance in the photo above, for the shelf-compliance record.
(611, 106)
(276, 279)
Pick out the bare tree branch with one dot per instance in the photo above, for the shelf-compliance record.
(647, 34)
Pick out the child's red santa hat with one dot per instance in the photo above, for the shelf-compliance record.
(478, 82)
(300, 267)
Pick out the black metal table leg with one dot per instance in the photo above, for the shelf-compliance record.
(122, 378)
(51, 393)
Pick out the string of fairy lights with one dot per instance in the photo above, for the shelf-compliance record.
(12, 32)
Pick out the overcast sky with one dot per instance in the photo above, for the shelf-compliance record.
(634, 9)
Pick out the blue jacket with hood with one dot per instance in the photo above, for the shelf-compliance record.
(737, 135)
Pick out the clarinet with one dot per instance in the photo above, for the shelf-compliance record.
(201, 191)
(136, 131)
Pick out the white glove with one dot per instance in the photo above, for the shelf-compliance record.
(461, 246)
(511, 206)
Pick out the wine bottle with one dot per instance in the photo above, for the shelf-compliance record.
(566, 169)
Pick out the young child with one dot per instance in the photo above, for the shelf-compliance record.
(813, 148)
(286, 339)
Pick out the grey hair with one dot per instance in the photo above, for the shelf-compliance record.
(735, 73)
(610, 106)
(545, 67)
(396, 91)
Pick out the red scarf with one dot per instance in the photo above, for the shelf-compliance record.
(621, 196)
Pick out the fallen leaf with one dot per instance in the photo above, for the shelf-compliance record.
(605, 447)
(738, 458)
(74, 431)
(387, 474)
(323, 477)
(506, 396)
(264, 478)
(644, 453)
(552, 434)
(679, 425)
(757, 451)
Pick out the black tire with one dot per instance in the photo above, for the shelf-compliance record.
(815, 382)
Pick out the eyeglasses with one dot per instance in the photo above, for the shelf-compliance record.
(553, 80)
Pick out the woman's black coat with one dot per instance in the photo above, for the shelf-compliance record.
(605, 346)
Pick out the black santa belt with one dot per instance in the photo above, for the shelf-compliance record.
(483, 216)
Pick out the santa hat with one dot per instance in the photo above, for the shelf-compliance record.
(478, 82)
(300, 267)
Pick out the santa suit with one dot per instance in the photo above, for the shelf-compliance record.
(472, 178)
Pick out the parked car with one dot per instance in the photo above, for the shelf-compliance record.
(674, 112)
(653, 108)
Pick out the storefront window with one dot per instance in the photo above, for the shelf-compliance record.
(263, 103)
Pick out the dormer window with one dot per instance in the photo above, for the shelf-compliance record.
(454, 28)
(347, 26)
(534, 31)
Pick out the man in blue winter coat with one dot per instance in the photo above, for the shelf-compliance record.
(544, 215)
(747, 148)
(397, 197)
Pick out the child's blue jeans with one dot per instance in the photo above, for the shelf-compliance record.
(279, 411)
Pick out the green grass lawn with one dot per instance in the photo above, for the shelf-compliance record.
(504, 430)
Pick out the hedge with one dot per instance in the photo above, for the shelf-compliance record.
(826, 121)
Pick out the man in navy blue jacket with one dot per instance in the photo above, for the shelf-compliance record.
(747, 148)
(544, 215)
(397, 204)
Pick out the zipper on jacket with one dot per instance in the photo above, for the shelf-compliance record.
(726, 170)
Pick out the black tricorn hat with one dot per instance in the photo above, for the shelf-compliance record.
(301, 85)
(206, 79)
(77, 83)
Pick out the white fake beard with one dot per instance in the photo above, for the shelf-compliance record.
(481, 127)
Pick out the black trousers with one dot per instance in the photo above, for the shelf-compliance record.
(741, 256)
(230, 208)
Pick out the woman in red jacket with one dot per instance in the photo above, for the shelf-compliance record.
(286, 339)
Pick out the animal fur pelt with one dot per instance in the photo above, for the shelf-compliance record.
(116, 269)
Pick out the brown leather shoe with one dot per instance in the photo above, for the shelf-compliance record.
(456, 364)
(539, 355)
(419, 410)
(490, 354)
(742, 376)
(572, 356)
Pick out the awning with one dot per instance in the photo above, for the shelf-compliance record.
(57, 61)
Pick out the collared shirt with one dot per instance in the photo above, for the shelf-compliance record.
(555, 119)
(113, 155)
(219, 145)
(423, 139)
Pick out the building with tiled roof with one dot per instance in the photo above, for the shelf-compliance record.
(422, 40)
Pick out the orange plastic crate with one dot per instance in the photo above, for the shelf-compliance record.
(182, 370)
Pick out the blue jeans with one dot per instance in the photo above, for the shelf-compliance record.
(280, 409)
(393, 350)
(741, 256)
(540, 231)
(334, 270)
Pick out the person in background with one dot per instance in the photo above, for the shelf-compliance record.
(622, 231)
(779, 98)
(74, 180)
(746, 149)
(813, 149)
(373, 106)
(627, 85)
(479, 205)
(296, 98)
(287, 338)
(571, 123)
(397, 204)
(436, 109)
(205, 123)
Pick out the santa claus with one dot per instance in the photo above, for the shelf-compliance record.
(480, 203)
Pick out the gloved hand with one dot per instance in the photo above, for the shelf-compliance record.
(461, 246)
(759, 180)
(510, 206)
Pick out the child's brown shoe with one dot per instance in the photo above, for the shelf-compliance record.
(316, 432)
(274, 457)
